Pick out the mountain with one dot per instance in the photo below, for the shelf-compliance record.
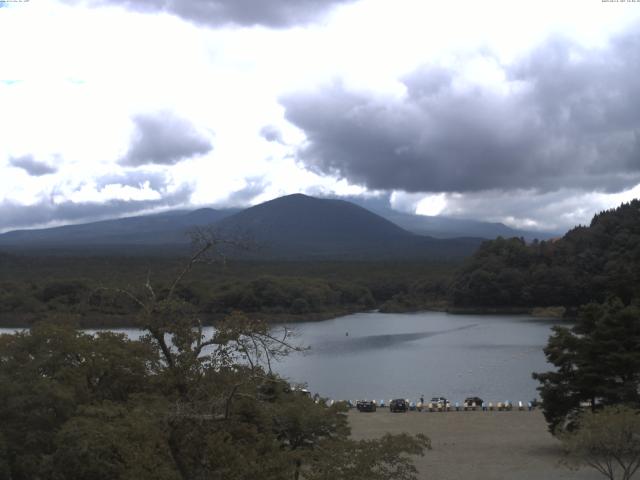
(448, 227)
(147, 230)
(297, 226)
(440, 226)
(290, 227)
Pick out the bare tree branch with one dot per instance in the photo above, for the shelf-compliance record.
(194, 258)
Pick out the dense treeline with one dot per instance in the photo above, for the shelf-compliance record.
(589, 264)
(90, 288)
(290, 295)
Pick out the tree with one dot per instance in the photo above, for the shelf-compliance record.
(47, 373)
(607, 440)
(113, 441)
(588, 264)
(387, 458)
(5, 472)
(247, 422)
(176, 404)
(597, 363)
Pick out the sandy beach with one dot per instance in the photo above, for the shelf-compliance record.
(476, 445)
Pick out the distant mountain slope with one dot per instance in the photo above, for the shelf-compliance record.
(301, 226)
(440, 226)
(448, 227)
(313, 219)
(291, 227)
(158, 229)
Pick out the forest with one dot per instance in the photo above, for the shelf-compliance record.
(589, 264)
(90, 288)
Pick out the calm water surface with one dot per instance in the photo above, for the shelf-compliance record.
(431, 354)
(407, 355)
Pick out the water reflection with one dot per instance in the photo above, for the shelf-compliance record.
(376, 342)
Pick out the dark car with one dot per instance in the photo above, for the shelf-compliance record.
(398, 405)
(469, 401)
(366, 406)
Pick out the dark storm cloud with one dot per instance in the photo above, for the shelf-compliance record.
(270, 13)
(164, 139)
(271, 134)
(15, 216)
(32, 166)
(570, 119)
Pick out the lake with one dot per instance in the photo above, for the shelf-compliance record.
(430, 353)
(408, 355)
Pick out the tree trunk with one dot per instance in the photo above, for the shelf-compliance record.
(296, 474)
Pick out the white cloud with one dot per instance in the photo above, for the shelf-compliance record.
(553, 211)
(114, 191)
(71, 79)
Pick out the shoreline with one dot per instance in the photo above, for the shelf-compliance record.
(105, 321)
(94, 320)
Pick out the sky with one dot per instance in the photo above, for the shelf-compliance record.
(521, 112)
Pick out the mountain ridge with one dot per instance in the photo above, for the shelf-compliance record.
(300, 226)
(144, 229)
(292, 226)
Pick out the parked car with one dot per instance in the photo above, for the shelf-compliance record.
(439, 401)
(366, 405)
(471, 400)
(398, 405)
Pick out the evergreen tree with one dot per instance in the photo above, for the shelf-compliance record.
(597, 363)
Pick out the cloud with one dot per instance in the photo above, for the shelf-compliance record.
(269, 13)
(563, 117)
(32, 166)
(271, 134)
(555, 211)
(135, 178)
(164, 139)
(48, 212)
(253, 188)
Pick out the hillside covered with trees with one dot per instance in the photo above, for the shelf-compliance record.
(589, 264)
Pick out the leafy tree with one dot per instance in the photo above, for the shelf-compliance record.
(5, 472)
(47, 372)
(383, 459)
(113, 441)
(597, 361)
(608, 441)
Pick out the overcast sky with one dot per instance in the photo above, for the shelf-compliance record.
(522, 112)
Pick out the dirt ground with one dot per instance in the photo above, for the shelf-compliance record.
(476, 445)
